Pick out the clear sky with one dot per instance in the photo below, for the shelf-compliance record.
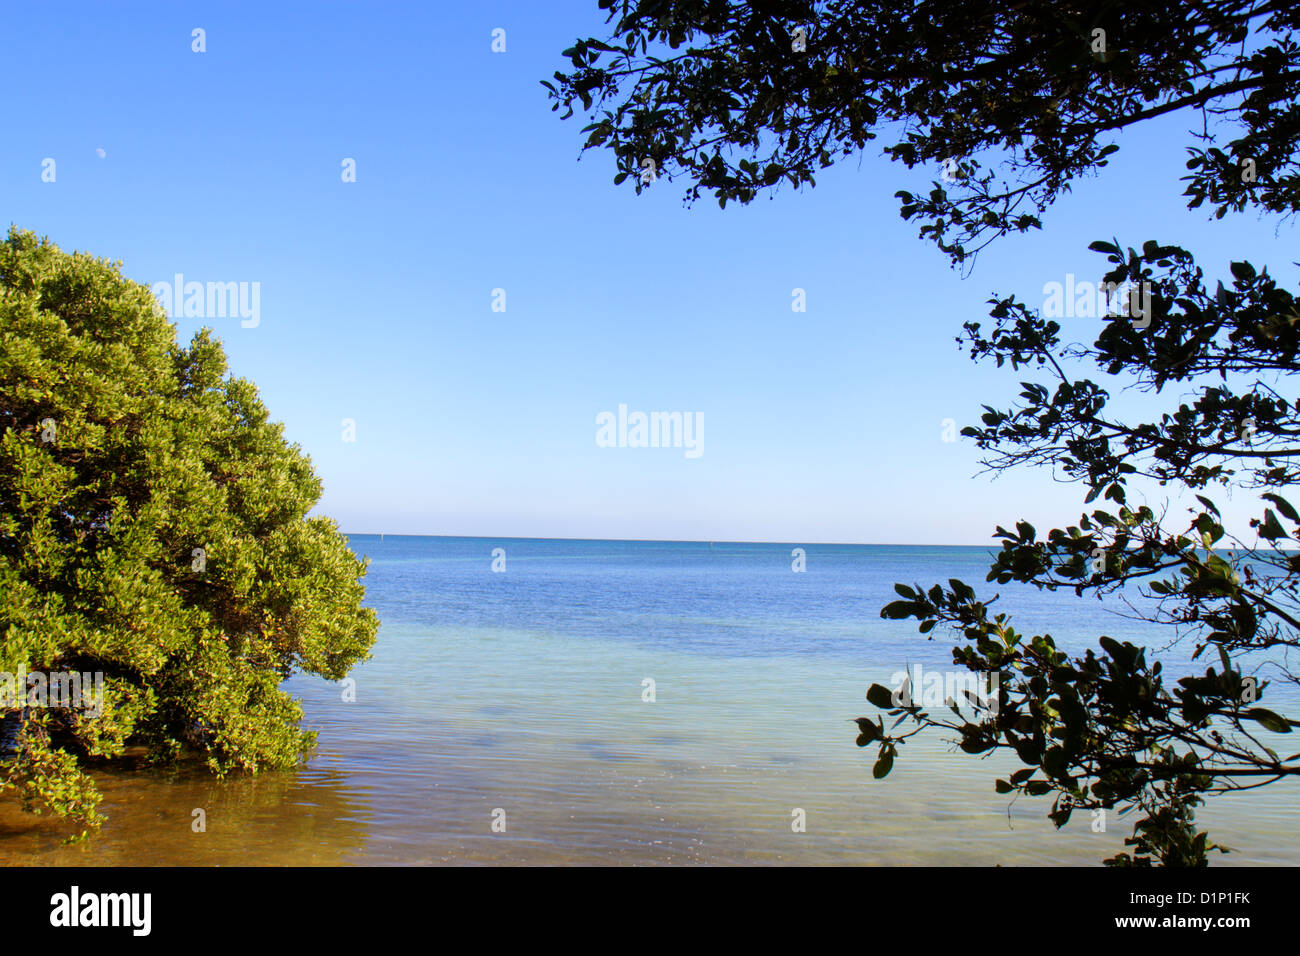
(376, 295)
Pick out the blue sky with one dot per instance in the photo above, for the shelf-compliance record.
(376, 295)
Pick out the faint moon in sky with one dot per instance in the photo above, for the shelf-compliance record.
(100, 152)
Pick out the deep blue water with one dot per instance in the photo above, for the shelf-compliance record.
(731, 599)
(523, 693)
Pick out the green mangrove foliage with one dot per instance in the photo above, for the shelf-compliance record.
(154, 540)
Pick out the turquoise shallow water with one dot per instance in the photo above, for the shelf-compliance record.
(535, 677)
(517, 698)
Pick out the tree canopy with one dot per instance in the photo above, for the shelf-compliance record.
(740, 97)
(153, 530)
(1018, 100)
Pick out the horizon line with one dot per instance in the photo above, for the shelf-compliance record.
(515, 537)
